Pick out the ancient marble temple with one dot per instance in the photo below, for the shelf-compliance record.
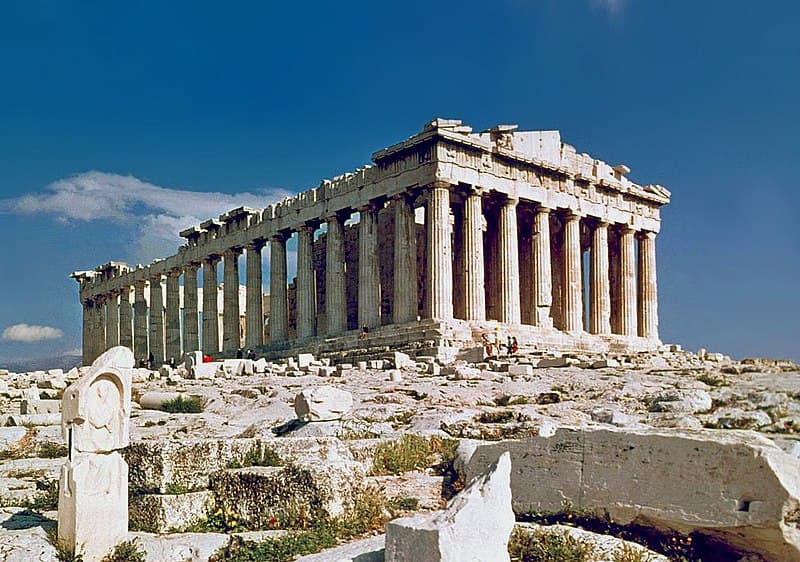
(449, 235)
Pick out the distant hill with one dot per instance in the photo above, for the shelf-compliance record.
(65, 362)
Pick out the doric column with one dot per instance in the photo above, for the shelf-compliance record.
(508, 263)
(599, 287)
(306, 285)
(86, 332)
(459, 275)
(112, 320)
(474, 289)
(157, 319)
(335, 291)
(191, 329)
(231, 340)
(405, 262)
(542, 274)
(125, 318)
(369, 286)
(278, 304)
(439, 270)
(254, 318)
(627, 297)
(210, 307)
(648, 288)
(139, 320)
(573, 284)
(173, 317)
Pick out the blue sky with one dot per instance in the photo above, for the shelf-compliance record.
(239, 102)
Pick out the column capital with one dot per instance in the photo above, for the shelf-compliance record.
(544, 209)
(572, 215)
(234, 251)
(192, 265)
(280, 236)
(175, 272)
(371, 206)
(625, 228)
(439, 184)
(155, 277)
(309, 226)
(255, 245)
(646, 234)
(601, 223)
(511, 200)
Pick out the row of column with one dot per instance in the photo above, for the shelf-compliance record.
(621, 300)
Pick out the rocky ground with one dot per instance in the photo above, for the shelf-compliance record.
(333, 439)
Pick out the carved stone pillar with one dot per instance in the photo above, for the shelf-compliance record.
(369, 286)
(139, 320)
(173, 317)
(439, 270)
(98, 326)
(542, 274)
(157, 319)
(125, 318)
(509, 263)
(231, 340)
(474, 289)
(210, 306)
(627, 253)
(112, 320)
(191, 329)
(278, 303)
(335, 292)
(599, 287)
(306, 282)
(254, 320)
(648, 288)
(405, 261)
(573, 284)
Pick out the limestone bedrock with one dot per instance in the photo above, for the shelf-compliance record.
(474, 527)
(735, 486)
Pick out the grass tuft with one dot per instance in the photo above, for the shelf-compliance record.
(544, 546)
(181, 405)
(126, 551)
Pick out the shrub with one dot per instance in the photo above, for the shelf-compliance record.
(413, 452)
(50, 450)
(126, 551)
(258, 456)
(627, 553)
(545, 546)
(181, 405)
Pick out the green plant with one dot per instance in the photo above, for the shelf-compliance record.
(403, 504)
(503, 416)
(257, 456)
(64, 552)
(126, 551)
(627, 553)
(50, 450)
(47, 501)
(542, 545)
(413, 452)
(175, 489)
(711, 380)
(181, 405)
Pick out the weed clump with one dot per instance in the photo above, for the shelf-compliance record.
(544, 546)
(413, 452)
(50, 450)
(258, 456)
(126, 551)
(181, 405)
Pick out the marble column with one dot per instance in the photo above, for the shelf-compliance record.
(86, 332)
(459, 275)
(474, 289)
(231, 340)
(278, 303)
(125, 318)
(627, 296)
(112, 320)
(572, 284)
(439, 269)
(173, 316)
(648, 288)
(100, 325)
(210, 306)
(369, 286)
(542, 274)
(156, 320)
(508, 264)
(306, 284)
(335, 290)
(139, 320)
(191, 328)
(254, 318)
(405, 261)
(599, 287)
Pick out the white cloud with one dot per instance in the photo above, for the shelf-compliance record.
(610, 6)
(157, 213)
(28, 333)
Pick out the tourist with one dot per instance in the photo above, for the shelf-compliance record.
(487, 345)
(239, 353)
(251, 354)
(151, 361)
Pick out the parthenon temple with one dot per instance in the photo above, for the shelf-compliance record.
(450, 235)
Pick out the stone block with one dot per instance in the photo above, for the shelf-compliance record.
(208, 370)
(155, 400)
(475, 525)
(605, 364)
(324, 403)
(376, 364)
(516, 369)
(684, 401)
(304, 360)
(32, 407)
(751, 504)
(158, 513)
(553, 362)
(326, 371)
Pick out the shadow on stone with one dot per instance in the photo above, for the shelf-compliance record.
(27, 519)
(288, 427)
